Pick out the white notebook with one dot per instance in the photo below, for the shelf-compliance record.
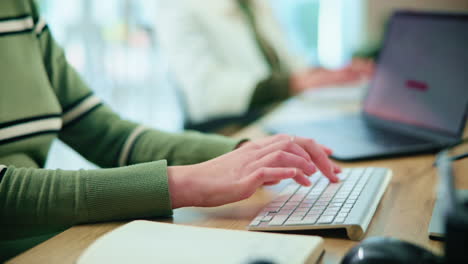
(154, 242)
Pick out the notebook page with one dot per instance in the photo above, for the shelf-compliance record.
(153, 242)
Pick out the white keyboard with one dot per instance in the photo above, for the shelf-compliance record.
(349, 204)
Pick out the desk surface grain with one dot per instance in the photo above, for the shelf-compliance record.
(404, 212)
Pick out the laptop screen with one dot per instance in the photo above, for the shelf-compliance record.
(422, 73)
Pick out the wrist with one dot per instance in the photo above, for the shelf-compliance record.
(297, 83)
(293, 85)
(242, 143)
(180, 186)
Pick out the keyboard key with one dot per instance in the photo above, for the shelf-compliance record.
(341, 196)
(309, 201)
(340, 215)
(312, 216)
(295, 218)
(324, 199)
(299, 214)
(286, 207)
(293, 222)
(255, 222)
(321, 203)
(339, 220)
(259, 218)
(309, 220)
(331, 210)
(315, 211)
(290, 189)
(337, 200)
(306, 205)
(326, 220)
(319, 207)
(329, 213)
(278, 220)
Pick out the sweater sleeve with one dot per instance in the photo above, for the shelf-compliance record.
(274, 88)
(101, 136)
(38, 201)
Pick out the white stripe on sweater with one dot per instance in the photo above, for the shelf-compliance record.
(16, 25)
(80, 109)
(40, 26)
(129, 144)
(31, 127)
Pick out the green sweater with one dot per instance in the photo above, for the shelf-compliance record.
(42, 98)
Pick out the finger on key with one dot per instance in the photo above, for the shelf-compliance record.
(321, 160)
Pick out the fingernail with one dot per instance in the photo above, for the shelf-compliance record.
(333, 177)
(312, 169)
(308, 182)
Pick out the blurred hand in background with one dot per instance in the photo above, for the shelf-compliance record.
(358, 70)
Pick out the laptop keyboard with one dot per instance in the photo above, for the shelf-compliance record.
(349, 204)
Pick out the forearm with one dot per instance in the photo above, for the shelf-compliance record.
(104, 138)
(179, 149)
(38, 201)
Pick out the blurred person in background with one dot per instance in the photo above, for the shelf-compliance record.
(147, 174)
(230, 60)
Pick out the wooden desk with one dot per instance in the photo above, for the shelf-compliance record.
(404, 212)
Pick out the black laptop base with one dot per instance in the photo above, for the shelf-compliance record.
(353, 139)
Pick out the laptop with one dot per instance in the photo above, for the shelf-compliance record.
(417, 100)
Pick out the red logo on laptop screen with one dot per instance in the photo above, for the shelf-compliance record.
(417, 85)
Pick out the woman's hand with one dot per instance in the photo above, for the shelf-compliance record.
(236, 175)
(357, 70)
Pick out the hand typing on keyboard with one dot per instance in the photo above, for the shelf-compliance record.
(349, 204)
(236, 175)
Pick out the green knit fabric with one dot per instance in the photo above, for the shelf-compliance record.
(43, 98)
